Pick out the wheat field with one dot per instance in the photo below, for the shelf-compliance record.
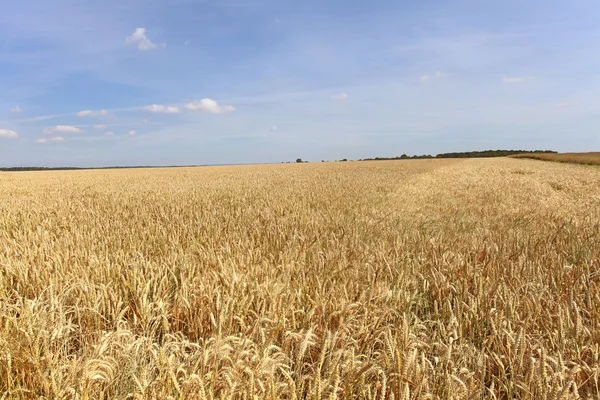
(425, 279)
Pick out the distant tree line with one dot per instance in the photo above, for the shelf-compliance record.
(465, 154)
(490, 153)
(17, 169)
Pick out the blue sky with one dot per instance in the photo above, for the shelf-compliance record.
(164, 82)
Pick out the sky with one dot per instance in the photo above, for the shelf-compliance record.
(194, 82)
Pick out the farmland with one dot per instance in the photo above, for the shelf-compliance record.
(574, 158)
(419, 279)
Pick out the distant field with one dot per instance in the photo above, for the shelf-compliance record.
(575, 158)
(424, 279)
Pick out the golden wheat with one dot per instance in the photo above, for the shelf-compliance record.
(428, 279)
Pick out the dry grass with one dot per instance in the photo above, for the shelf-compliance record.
(574, 158)
(433, 279)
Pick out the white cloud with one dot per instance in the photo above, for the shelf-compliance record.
(90, 113)
(516, 79)
(132, 133)
(274, 128)
(437, 75)
(99, 127)
(340, 96)
(209, 106)
(109, 133)
(57, 139)
(8, 134)
(16, 110)
(61, 129)
(567, 104)
(161, 109)
(140, 40)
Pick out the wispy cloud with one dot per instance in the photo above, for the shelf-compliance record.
(90, 113)
(340, 96)
(109, 133)
(75, 114)
(568, 104)
(57, 139)
(437, 75)
(100, 127)
(16, 110)
(8, 134)
(141, 41)
(162, 109)
(209, 106)
(516, 79)
(132, 133)
(61, 129)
